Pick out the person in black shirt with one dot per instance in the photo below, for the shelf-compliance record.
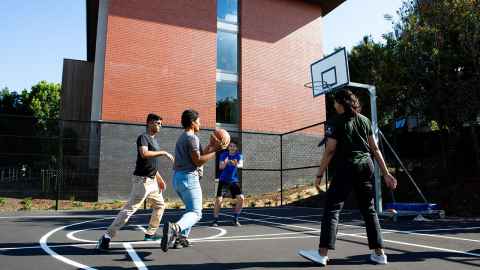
(147, 183)
(351, 144)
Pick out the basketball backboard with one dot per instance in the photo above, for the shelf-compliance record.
(329, 73)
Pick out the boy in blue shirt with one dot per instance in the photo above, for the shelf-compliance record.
(229, 163)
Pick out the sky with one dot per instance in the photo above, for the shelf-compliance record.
(346, 25)
(36, 35)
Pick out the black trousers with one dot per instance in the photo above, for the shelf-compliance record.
(358, 178)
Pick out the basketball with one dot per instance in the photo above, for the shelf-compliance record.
(223, 136)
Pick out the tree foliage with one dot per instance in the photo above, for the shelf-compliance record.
(439, 46)
(13, 103)
(42, 102)
(429, 65)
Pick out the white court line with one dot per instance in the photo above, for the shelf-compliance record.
(49, 251)
(219, 236)
(447, 229)
(136, 260)
(428, 235)
(385, 231)
(302, 220)
(268, 234)
(390, 241)
(142, 228)
(52, 246)
(271, 222)
(259, 238)
(71, 235)
(89, 216)
(199, 240)
(344, 211)
(51, 217)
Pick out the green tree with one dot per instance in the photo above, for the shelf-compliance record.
(428, 66)
(376, 64)
(439, 48)
(13, 103)
(44, 100)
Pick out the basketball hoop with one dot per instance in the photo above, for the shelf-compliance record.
(329, 73)
(318, 87)
(316, 84)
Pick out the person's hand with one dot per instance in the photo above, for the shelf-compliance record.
(234, 162)
(390, 181)
(161, 184)
(169, 156)
(318, 181)
(214, 143)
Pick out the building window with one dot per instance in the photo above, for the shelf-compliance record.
(227, 51)
(227, 102)
(227, 11)
(227, 62)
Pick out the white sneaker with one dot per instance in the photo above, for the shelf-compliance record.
(379, 259)
(314, 256)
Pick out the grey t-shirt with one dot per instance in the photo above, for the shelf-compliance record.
(186, 144)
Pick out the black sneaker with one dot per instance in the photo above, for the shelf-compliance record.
(154, 237)
(103, 243)
(236, 223)
(169, 236)
(177, 244)
(181, 242)
(214, 223)
(184, 241)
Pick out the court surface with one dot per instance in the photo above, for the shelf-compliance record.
(269, 238)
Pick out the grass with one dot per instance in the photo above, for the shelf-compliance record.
(257, 200)
(77, 204)
(27, 203)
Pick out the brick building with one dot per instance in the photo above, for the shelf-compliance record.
(240, 63)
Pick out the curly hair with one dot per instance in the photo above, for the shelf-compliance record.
(349, 102)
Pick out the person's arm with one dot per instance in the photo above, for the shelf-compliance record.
(240, 162)
(146, 154)
(223, 163)
(330, 148)
(199, 159)
(161, 183)
(390, 181)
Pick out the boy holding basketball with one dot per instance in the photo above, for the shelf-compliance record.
(189, 158)
(229, 164)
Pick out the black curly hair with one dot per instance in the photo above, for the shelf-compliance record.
(349, 102)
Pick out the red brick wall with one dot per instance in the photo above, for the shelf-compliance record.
(280, 39)
(160, 57)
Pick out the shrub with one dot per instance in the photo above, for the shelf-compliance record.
(27, 203)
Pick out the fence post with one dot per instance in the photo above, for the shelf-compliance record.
(281, 169)
(59, 162)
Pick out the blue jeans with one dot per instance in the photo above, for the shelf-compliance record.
(187, 186)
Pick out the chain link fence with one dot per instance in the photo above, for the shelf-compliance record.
(92, 162)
